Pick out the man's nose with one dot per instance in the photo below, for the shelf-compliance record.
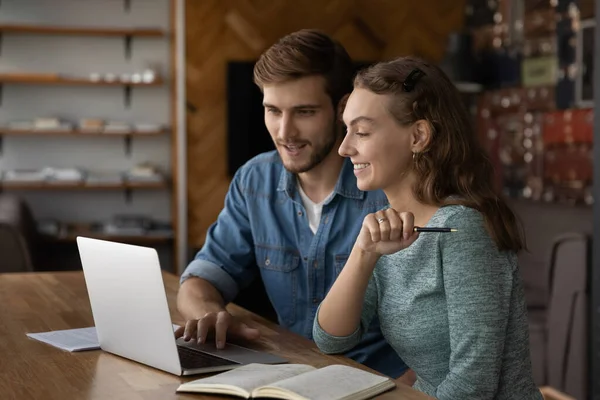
(287, 128)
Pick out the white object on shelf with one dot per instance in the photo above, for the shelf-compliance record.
(104, 178)
(147, 127)
(21, 125)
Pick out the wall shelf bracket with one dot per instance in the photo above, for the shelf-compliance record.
(128, 195)
(127, 89)
(127, 139)
(128, 39)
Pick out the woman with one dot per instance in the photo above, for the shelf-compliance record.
(450, 304)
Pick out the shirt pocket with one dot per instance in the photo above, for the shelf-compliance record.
(279, 272)
(339, 262)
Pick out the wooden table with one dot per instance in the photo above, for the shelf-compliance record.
(38, 302)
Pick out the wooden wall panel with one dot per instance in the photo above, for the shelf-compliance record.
(219, 31)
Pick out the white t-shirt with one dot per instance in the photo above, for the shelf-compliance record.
(313, 210)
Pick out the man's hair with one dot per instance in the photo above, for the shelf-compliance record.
(307, 52)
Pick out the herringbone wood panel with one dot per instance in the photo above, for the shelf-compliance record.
(219, 31)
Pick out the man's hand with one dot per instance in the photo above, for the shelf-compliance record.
(220, 324)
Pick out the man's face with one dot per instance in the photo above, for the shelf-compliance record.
(301, 120)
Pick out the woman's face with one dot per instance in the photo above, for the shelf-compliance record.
(380, 149)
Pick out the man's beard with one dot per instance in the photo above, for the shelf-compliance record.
(317, 156)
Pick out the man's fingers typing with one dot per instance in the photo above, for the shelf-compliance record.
(189, 330)
(205, 325)
(179, 332)
(221, 325)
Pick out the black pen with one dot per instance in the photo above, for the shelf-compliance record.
(419, 229)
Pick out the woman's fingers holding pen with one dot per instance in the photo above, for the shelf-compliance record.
(387, 231)
(396, 224)
(408, 224)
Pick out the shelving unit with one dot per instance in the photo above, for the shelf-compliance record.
(81, 186)
(77, 132)
(126, 33)
(79, 30)
(55, 79)
(75, 230)
(127, 136)
(139, 240)
(164, 32)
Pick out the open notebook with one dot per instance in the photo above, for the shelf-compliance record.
(293, 382)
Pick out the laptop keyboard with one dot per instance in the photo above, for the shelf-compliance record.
(191, 359)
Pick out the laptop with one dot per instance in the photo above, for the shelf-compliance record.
(132, 318)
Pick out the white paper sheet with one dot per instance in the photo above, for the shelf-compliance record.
(72, 339)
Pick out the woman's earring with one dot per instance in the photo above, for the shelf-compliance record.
(414, 156)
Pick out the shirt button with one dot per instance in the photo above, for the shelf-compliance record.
(316, 301)
(305, 258)
(267, 262)
(315, 264)
(299, 213)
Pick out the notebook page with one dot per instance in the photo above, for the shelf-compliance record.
(335, 382)
(251, 376)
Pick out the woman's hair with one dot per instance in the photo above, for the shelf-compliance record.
(453, 163)
(308, 52)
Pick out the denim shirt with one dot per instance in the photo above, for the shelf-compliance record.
(264, 223)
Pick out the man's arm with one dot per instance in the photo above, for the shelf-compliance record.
(213, 278)
(198, 297)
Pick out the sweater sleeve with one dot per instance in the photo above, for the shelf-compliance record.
(330, 344)
(478, 285)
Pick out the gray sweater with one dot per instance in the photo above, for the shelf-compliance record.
(452, 306)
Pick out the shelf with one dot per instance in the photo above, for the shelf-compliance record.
(56, 79)
(60, 132)
(80, 30)
(70, 231)
(142, 239)
(80, 186)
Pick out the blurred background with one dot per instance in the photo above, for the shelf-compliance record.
(126, 119)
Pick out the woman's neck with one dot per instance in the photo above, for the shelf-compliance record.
(402, 199)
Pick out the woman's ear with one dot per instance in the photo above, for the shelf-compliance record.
(421, 136)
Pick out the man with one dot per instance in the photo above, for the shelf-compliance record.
(295, 211)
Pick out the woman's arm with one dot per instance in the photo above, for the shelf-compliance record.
(478, 281)
(349, 307)
(339, 315)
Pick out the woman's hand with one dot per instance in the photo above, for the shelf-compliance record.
(387, 232)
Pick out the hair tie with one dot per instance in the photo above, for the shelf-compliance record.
(411, 80)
